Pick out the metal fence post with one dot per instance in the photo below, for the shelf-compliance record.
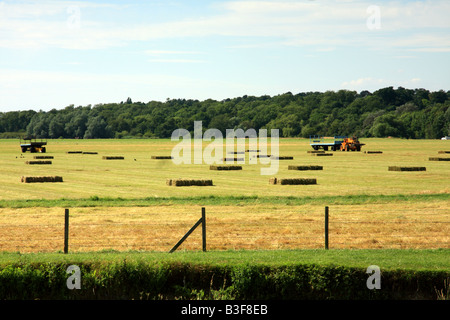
(203, 229)
(326, 228)
(201, 221)
(66, 231)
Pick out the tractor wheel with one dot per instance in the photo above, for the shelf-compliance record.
(43, 150)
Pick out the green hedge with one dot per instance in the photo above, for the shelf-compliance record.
(140, 280)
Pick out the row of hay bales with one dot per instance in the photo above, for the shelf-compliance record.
(283, 181)
(439, 158)
(43, 160)
(299, 181)
(396, 168)
(38, 161)
(191, 182)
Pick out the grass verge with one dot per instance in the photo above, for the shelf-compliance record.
(95, 201)
(390, 259)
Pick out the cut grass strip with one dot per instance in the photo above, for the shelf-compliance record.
(96, 201)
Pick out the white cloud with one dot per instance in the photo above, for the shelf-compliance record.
(363, 83)
(369, 83)
(316, 23)
(176, 61)
(160, 56)
(171, 52)
(46, 89)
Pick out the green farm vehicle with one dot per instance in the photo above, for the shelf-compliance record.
(33, 145)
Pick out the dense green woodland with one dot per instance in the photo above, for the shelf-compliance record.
(405, 113)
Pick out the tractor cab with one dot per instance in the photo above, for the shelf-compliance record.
(351, 144)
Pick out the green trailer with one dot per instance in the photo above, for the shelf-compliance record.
(33, 145)
(319, 142)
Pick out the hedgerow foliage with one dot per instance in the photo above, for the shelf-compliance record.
(155, 281)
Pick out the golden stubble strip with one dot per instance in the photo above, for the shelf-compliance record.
(255, 227)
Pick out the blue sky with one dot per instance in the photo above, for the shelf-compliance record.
(58, 53)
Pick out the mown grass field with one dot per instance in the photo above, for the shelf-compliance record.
(126, 205)
(139, 176)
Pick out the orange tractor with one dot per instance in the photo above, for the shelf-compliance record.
(351, 144)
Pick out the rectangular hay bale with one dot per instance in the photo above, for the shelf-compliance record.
(225, 168)
(233, 159)
(283, 158)
(39, 162)
(444, 151)
(162, 157)
(69, 152)
(113, 158)
(188, 182)
(395, 168)
(315, 151)
(43, 157)
(292, 181)
(41, 179)
(439, 159)
(305, 167)
(373, 151)
(90, 152)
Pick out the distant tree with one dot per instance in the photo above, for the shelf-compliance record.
(399, 112)
(97, 128)
(438, 96)
(386, 125)
(56, 127)
(221, 122)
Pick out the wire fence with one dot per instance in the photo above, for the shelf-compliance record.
(104, 230)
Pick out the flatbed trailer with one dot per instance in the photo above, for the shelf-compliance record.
(33, 145)
(319, 142)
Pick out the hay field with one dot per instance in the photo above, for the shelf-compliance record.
(253, 227)
(418, 224)
(138, 175)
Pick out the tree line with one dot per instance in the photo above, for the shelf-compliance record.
(403, 113)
